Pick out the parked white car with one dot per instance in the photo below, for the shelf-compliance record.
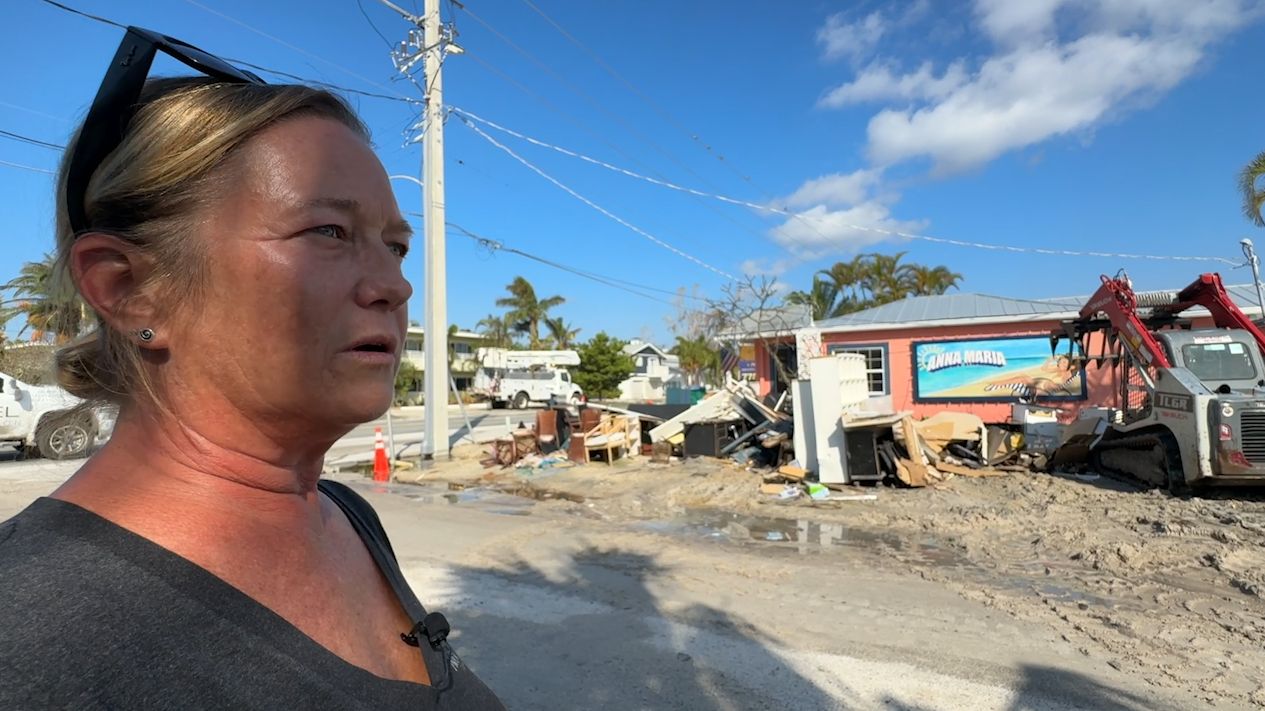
(49, 420)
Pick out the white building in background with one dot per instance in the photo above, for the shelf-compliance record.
(654, 370)
(461, 347)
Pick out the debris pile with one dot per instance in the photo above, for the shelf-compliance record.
(562, 436)
(731, 423)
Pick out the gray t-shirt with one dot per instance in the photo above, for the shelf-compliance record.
(94, 616)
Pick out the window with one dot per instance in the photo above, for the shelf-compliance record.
(462, 349)
(642, 364)
(1219, 361)
(875, 363)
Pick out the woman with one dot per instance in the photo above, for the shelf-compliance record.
(241, 247)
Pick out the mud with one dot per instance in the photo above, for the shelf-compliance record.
(1169, 590)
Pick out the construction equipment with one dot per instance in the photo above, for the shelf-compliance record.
(520, 378)
(1190, 407)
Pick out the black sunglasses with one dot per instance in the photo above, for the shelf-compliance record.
(116, 105)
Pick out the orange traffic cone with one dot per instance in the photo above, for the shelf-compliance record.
(381, 467)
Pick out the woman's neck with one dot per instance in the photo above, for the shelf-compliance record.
(206, 476)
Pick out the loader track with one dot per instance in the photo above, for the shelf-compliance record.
(1150, 458)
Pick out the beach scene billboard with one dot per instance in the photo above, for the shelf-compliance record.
(994, 370)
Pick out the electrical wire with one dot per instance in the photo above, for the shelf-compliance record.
(31, 168)
(32, 141)
(295, 48)
(33, 112)
(590, 203)
(645, 98)
(497, 246)
(644, 287)
(589, 130)
(360, 4)
(781, 211)
(278, 72)
(588, 98)
(81, 12)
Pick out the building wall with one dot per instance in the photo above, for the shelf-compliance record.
(1102, 387)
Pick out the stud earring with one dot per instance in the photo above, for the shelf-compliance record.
(146, 334)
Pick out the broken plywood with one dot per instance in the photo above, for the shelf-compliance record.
(792, 472)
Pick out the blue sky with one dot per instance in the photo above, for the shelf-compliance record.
(1067, 124)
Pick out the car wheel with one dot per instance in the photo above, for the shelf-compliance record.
(521, 401)
(64, 437)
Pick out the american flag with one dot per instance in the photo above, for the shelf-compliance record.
(729, 356)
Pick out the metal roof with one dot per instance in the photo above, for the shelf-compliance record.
(959, 309)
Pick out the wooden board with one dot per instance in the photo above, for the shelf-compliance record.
(960, 426)
(917, 461)
(792, 473)
(969, 472)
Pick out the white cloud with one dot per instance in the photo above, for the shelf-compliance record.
(1063, 66)
(1028, 96)
(1017, 21)
(833, 189)
(820, 231)
(878, 83)
(851, 39)
(767, 267)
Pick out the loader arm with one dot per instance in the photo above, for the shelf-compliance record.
(1208, 291)
(1116, 301)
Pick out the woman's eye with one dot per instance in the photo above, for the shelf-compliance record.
(400, 249)
(330, 231)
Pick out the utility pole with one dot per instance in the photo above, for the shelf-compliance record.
(429, 48)
(1250, 252)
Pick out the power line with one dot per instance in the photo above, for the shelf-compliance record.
(295, 48)
(588, 98)
(633, 284)
(497, 246)
(663, 113)
(31, 168)
(91, 17)
(32, 141)
(469, 124)
(781, 211)
(244, 63)
(587, 129)
(33, 111)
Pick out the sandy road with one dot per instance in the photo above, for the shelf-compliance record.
(560, 604)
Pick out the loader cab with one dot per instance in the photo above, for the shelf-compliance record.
(1224, 360)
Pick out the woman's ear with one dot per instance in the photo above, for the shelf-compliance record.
(109, 273)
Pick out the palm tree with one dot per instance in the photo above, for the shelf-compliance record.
(921, 280)
(697, 357)
(883, 277)
(47, 299)
(1253, 198)
(496, 330)
(851, 286)
(561, 333)
(525, 310)
(821, 298)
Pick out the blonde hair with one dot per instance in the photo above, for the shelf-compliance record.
(145, 192)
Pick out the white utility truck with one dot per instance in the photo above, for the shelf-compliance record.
(48, 420)
(519, 378)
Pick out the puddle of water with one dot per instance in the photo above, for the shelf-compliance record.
(803, 535)
(486, 500)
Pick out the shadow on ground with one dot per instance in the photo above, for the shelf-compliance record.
(594, 636)
(600, 632)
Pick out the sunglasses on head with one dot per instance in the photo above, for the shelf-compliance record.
(116, 105)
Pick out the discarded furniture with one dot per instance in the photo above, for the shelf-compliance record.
(613, 435)
(708, 439)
